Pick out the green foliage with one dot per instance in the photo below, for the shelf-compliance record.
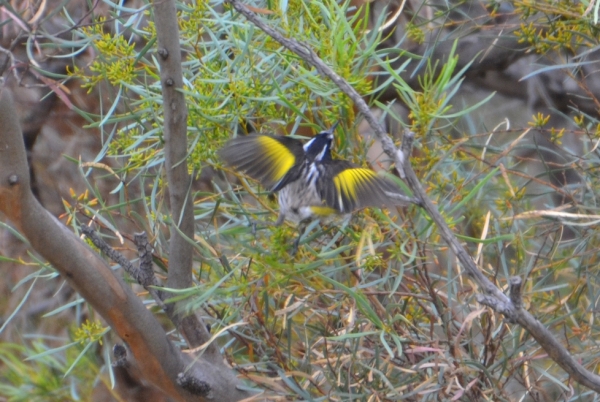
(89, 332)
(373, 307)
(36, 373)
(558, 25)
(233, 76)
(115, 59)
(355, 306)
(539, 120)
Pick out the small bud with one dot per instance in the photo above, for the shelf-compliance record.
(163, 53)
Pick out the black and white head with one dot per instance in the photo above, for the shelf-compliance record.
(319, 147)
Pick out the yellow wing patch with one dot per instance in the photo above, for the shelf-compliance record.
(348, 181)
(280, 158)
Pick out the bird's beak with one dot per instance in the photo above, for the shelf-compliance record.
(332, 129)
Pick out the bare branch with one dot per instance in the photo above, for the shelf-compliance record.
(308, 55)
(178, 178)
(493, 296)
(143, 276)
(498, 306)
(158, 360)
(175, 133)
(179, 184)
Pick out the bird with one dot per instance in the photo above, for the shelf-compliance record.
(310, 182)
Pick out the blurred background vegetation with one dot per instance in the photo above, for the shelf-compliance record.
(503, 97)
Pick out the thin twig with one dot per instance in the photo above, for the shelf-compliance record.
(492, 296)
(141, 276)
(157, 359)
(515, 292)
(147, 277)
(308, 55)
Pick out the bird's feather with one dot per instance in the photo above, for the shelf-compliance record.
(266, 158)
(350, 187)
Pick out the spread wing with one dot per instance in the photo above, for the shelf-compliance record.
(348, 187)
(266, 158)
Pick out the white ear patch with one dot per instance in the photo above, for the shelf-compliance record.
(321, 154)
(307, 145)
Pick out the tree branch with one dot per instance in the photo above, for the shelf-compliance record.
(178, 178)
(175, 134)
(493, 296)
(144, 275)
(308, 55)
(159, 361)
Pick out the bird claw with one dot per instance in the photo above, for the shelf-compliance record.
(296, 245)
(301, 229)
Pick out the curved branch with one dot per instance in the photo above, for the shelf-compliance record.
(493, 296)
(159, 361)
(308, 55)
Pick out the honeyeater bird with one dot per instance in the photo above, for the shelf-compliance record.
(311, 184)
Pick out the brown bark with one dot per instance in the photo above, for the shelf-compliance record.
(158, 360)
